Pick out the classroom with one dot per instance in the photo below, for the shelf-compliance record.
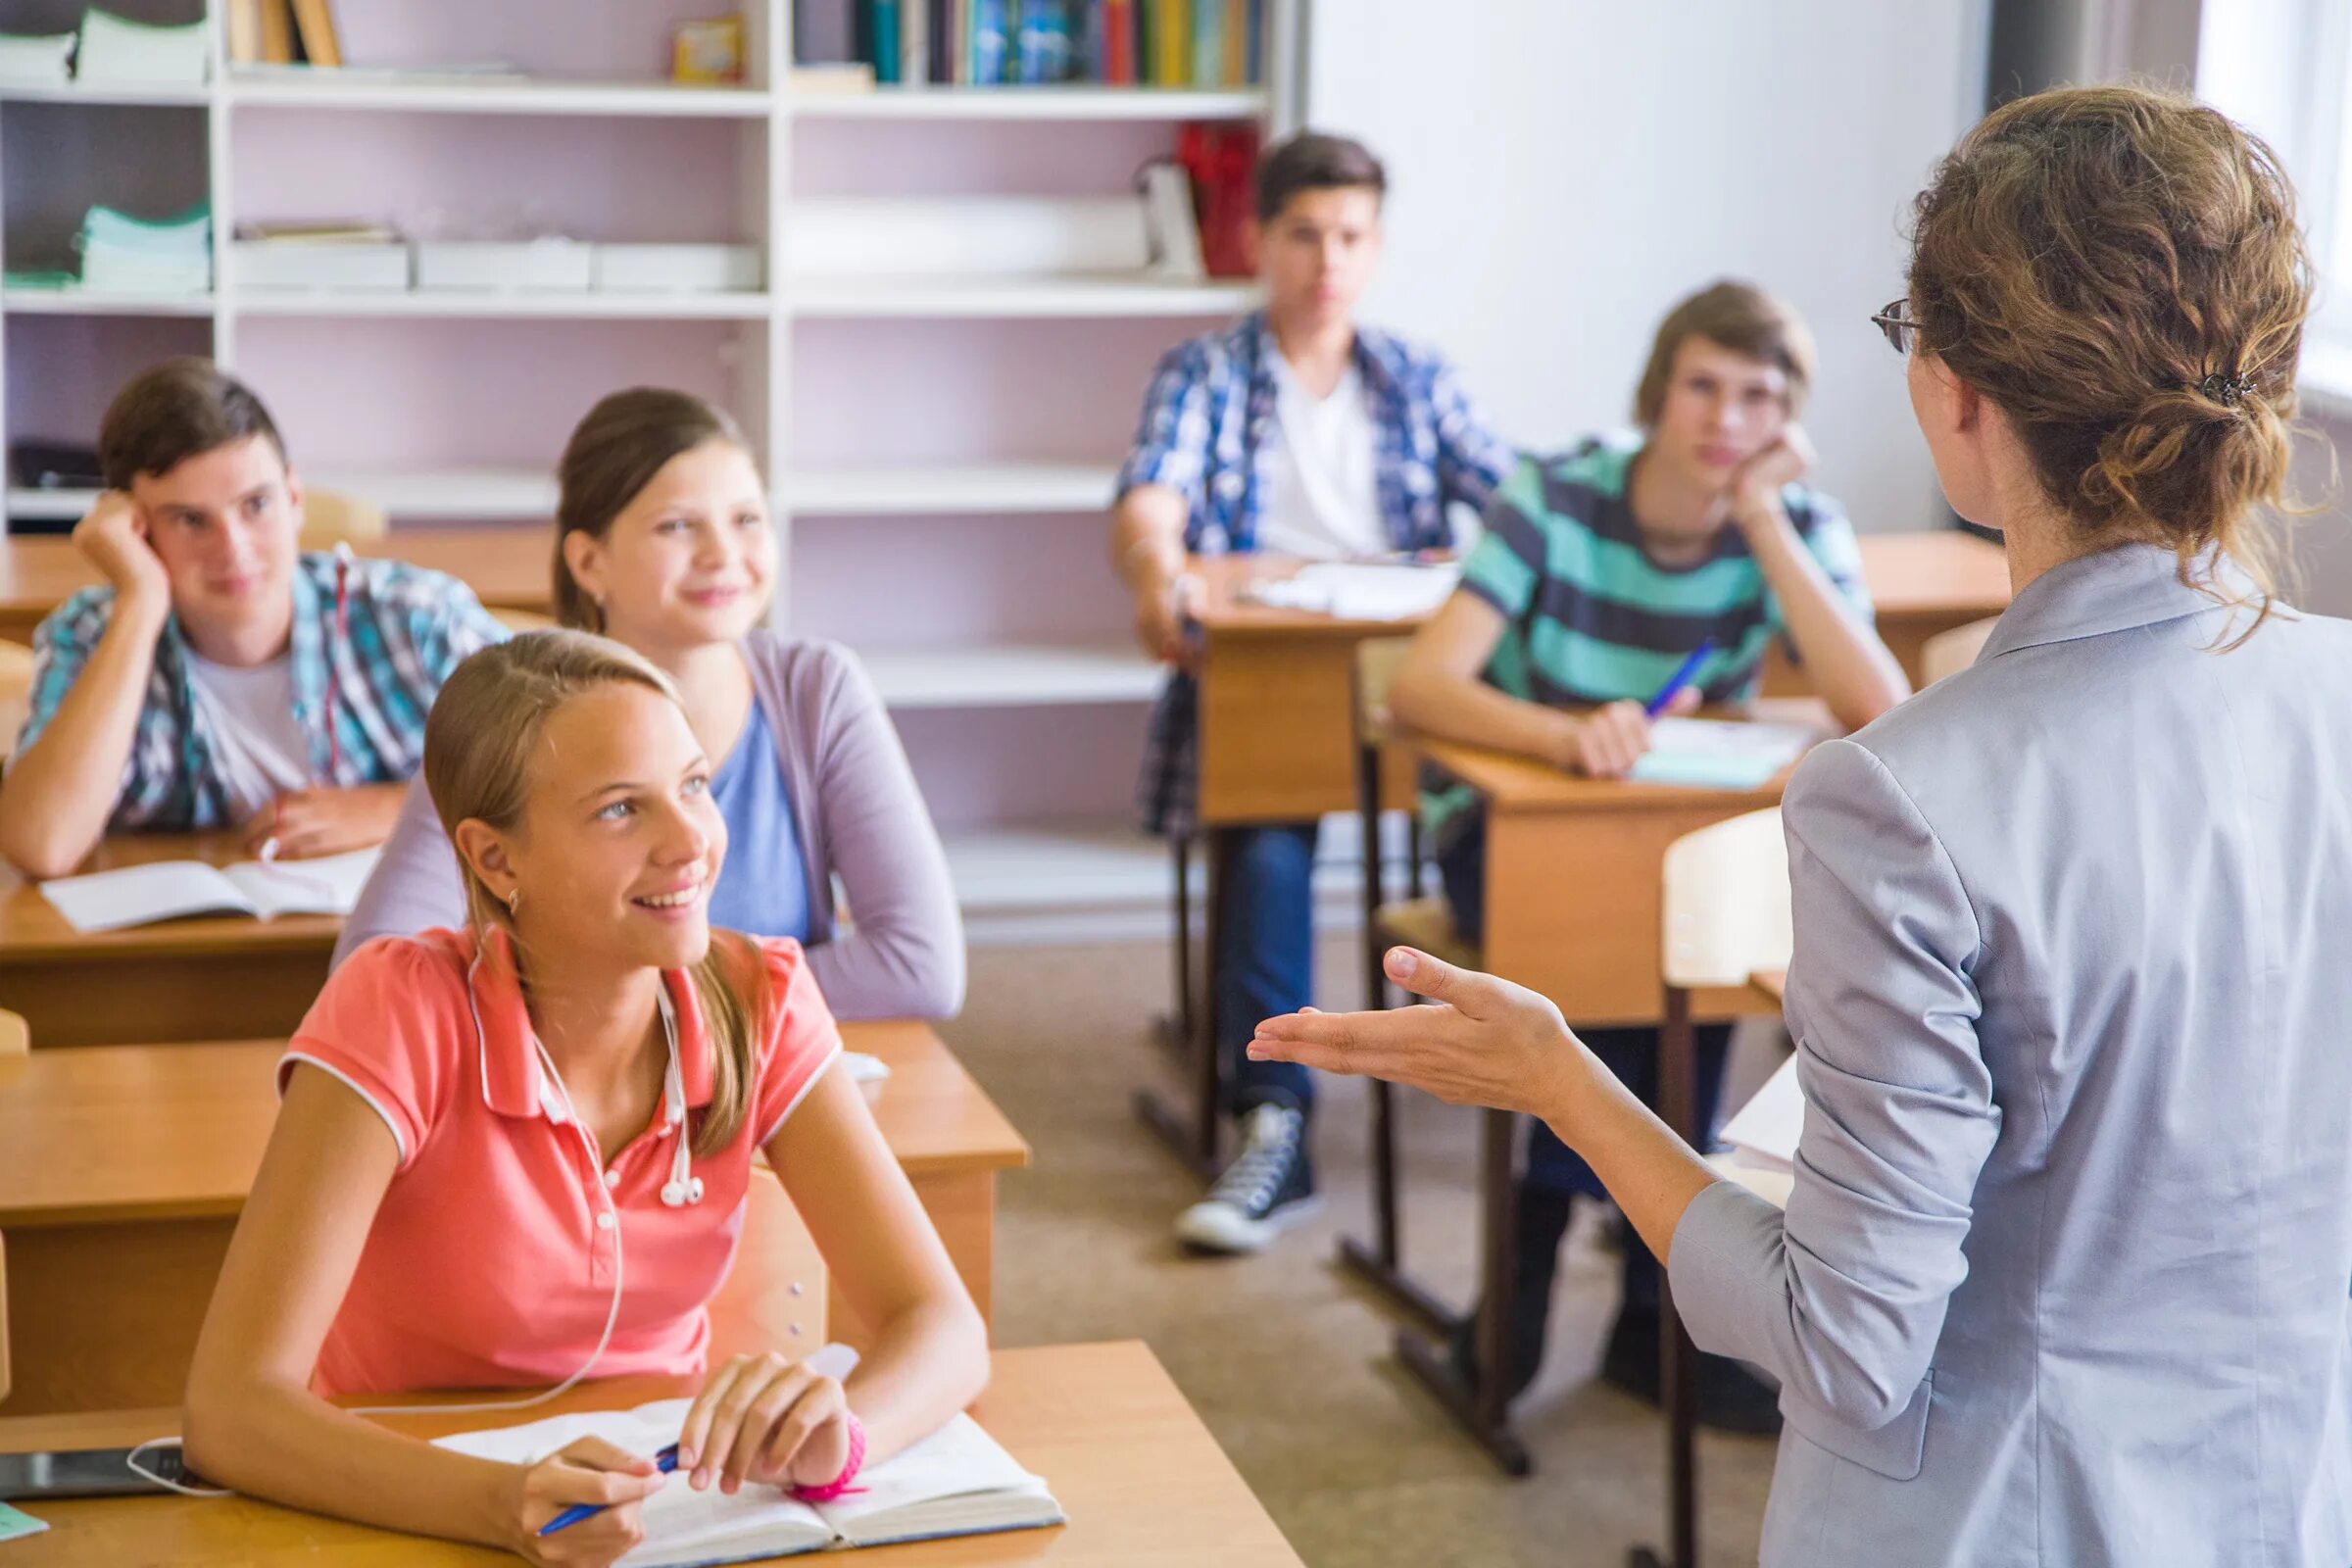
(1163, 782)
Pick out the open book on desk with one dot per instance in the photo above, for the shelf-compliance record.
(956, 1481)
(1355, 590)
(166, 890)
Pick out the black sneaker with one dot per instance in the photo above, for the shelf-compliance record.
(1268, 1184)
(1731, 1398)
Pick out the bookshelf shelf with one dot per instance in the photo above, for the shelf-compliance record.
(81, 302)
(1014, 296)
(969, 488)
(521, 304)
(1027, 103)
(423, 94)
(997, 675)
(123, 94)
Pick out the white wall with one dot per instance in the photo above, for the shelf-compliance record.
(1562, 171)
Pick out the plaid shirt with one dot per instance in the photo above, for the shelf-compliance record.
(1208, 424)
(408, 629)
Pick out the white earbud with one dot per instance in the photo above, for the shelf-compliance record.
(684, 1186)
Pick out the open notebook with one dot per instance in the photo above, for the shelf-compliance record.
(956, 1481)
(1359, 590)
(136, 895)
(1712, 754)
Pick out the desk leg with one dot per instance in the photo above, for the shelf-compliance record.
(1484, 1410)
(1197, 1145)
(1678, 1357)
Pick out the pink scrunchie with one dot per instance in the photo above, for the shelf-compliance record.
(839, 1486)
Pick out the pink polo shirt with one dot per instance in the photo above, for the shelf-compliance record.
(487, 1265)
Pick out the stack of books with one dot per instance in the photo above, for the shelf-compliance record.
(40, 60)
(126, 255)
(118, 51)
(1157, 43)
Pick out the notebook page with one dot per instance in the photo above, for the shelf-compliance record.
(1355, 591)
(919, 1490)
(682, 1526)
(135, 894)
(328, 885)
(1767, 1128)
(1712, 754)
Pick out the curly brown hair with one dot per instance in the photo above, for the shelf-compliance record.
(2119, 269)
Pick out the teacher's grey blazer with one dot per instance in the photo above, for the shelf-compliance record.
(2067, 1273)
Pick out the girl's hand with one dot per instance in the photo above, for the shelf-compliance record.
(591, 1471)
(765, 1418)
(1488, 1042)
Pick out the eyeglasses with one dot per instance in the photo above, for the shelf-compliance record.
(1896, 323)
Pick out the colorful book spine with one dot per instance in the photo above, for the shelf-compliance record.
(1172, 43)
(1043, 44)
(992, 42)
(1236, 73)
(1209, 43)
(1253, 64)
(888, 53)
(1117, 18)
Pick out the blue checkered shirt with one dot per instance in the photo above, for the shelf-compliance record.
(408, 628)
(1208, 424)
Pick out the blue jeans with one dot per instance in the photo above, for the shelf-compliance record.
(1552, 1167)
(1265, 958)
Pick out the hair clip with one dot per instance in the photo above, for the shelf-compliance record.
(2229, 390)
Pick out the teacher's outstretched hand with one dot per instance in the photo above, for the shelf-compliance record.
(1491, 1042)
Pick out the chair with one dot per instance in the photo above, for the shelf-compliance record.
(1415, 921)
(1727, 916)
(329, 518)
(15, 1043)
(1948, 653)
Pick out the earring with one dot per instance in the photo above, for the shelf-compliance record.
(514, 902)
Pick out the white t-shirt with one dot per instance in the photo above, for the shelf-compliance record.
(1321, 501)
(258, 744)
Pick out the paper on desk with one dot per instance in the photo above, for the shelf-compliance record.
(1360, 591)
(1766, 1129)
(1712, 754)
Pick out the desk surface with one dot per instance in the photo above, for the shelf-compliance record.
(171, 1132)
(1142, 1480)
(31, 931)
(1774, 983)
(1942, 572)
(1514, 783)
(507, 568)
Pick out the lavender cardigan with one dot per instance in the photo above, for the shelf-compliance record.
(858, 812)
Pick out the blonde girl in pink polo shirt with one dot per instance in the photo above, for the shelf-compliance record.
(516, 1153)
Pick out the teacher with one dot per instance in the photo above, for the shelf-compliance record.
(2065, 1275)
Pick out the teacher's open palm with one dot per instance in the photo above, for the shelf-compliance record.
(1487, 1042)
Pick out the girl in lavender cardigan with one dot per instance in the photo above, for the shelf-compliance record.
(663, 543)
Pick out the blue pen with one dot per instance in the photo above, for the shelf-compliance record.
(665, 1462)
(1679, 679)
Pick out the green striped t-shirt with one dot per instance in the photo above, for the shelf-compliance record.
(1591, 618)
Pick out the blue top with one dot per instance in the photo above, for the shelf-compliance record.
(764, 889)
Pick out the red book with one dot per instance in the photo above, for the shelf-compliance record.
(1118, 29)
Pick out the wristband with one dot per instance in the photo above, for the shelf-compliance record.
(839, 1486)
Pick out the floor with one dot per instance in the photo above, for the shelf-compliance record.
(1285, 1357)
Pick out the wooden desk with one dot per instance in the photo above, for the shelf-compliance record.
(122, 1172)
(507, 568)
(1574, 910)
(1770, 985)
(1921, 584)
(212, 977)
(1144, 1484)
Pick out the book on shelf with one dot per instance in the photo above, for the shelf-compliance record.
(119, 52)
(956, 1482)
(315, 32)
(276, 33)
(1032, 43)
(840, 77)
(36, 60)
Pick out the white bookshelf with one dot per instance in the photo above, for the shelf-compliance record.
(1015, 676)
(1020, 866)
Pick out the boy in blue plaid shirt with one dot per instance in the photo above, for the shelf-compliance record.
(221, 677)
(1297, 432)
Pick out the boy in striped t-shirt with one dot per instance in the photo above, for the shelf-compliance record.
(1601, 572)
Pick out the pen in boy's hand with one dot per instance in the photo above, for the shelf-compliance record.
(1679, 679)
(665, 1462)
